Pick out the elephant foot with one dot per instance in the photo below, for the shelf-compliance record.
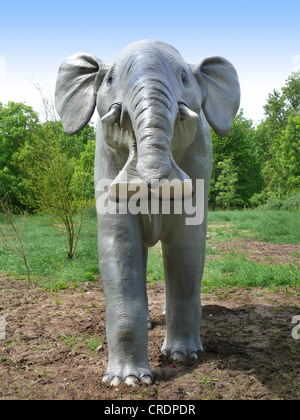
(132, 378)
(185, 350)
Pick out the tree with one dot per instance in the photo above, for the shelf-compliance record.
(18, 123)
(281, 105)
(275, 111)
(227, 185)
(240, 148)
(44, 169)
(278, 139)
(282, 171)
(291, 93)
(48, 170)
(83, 176)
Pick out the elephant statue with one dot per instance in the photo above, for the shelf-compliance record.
(155, 113)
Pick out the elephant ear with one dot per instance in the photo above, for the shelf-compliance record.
(220, 82)
(77, 81)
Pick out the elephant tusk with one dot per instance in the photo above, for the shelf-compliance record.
(186, 113)
(113, 114)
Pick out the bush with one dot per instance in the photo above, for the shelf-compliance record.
(256, 200)
(18, 125)
(290, 202)
(274, 203)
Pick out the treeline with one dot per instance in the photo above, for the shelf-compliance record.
(259, 165)
(40, 164)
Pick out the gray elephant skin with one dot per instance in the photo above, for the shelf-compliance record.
(155, 113)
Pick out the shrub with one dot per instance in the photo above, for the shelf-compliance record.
(290, 202)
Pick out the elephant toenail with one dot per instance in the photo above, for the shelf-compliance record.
(115, 381)
(178, 355)
(146, 379)
(193, 355)
(131, 380)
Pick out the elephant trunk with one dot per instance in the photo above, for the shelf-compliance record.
(153, 112)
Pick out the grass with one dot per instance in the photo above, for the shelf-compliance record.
(74, 342)
(233, 269)
(155, 269)
(46, 252)
(265, 225)
(236, 271)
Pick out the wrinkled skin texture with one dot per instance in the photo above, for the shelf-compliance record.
(157, 109)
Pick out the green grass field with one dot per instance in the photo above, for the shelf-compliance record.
(48, 263)
(271, 226)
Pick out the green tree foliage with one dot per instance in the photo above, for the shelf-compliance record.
(278, 140)
(20, 130)
(227, 184)
(264, 160)
(238, 151)
(18, 124)
(281, 105)
(83, 176)
(282, 170)
(291, 93)
(275, 111)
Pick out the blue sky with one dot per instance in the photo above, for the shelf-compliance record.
(260, 37)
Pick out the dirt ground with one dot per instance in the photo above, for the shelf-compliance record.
(48, 353)
(259, 251)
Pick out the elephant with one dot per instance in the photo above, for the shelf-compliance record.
(155, 116)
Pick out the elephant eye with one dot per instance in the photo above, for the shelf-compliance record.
(111, 77)
(184, 78)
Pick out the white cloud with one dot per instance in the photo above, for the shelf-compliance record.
(2, 67)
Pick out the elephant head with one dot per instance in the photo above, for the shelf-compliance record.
(149, 101)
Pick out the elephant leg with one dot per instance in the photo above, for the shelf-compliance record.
(184, 254)
(121, 261)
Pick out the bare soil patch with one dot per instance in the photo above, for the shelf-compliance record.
(247, 335)
(259, 251)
